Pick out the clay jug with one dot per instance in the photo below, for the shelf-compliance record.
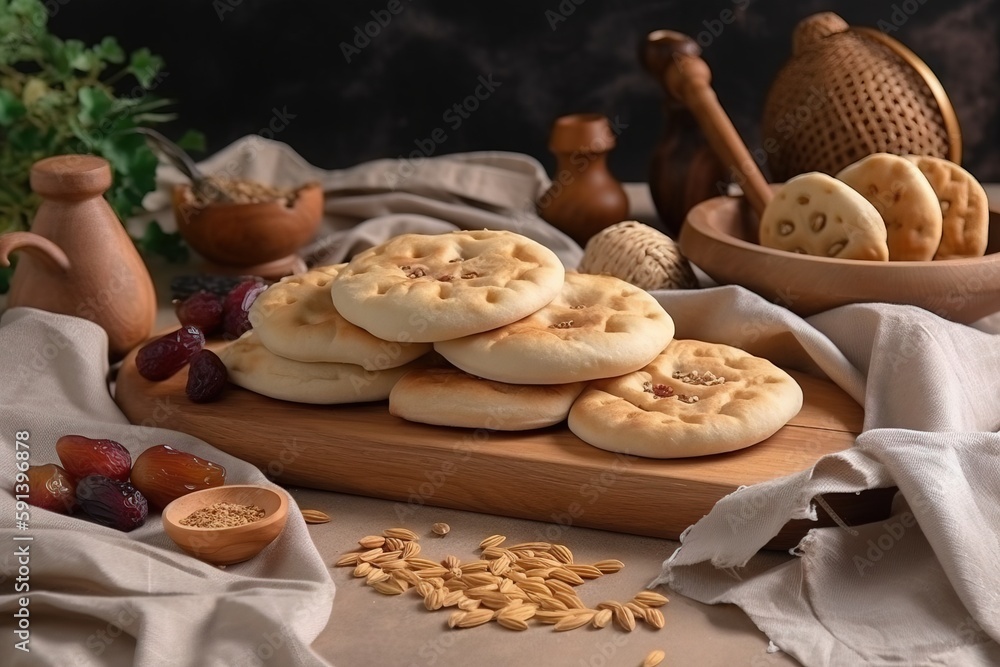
(78, 259)
(584, 197)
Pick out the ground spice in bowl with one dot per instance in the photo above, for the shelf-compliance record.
(240, 191)
(223, 515)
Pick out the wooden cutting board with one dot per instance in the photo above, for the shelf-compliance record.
(549, 474)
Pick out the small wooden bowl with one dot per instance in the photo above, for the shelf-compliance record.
(248, 234)
(719, 236)
(225, 546)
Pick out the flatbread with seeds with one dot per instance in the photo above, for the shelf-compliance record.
(253, 367)
(964, 207)
(450, 397)
(428, 288)
(295, 318)
(597, 327)
(678, 406)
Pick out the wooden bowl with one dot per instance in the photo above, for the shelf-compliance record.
(719, 236)
(224, 546)
(248, 234)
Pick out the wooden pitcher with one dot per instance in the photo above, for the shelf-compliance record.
(78, 259)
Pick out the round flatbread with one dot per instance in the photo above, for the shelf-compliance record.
(295, 318)
(905, 200)
(964, 207)
(597, 327)
(449, 397)
(815, 214)
(425, 288)
(253, 367)
(694, 399)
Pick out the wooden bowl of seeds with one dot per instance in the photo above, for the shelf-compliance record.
(226, 524)
(242, 223)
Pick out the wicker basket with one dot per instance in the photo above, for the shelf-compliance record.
(849, 92)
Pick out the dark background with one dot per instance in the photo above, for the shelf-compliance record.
(231, 63)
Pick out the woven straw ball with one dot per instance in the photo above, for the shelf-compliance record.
(640, 255)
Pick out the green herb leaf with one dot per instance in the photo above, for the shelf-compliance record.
(157, 242)
(27, 139)
(192, 140)
(145, 66)
(76, 54)
(110, 51)
(32, 11)
(94, 105)
(11, 107)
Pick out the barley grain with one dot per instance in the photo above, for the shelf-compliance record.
(400, 533)
(371, 554)
(585, 571)
(561, 553)
(654, 617)
(492, 541)
(609, 566)
(388, 587)
(347, 560)
(376, 575)
(475, 617)
(512, 623)
(315, 516)
(602, 618)
(624, 618)
(651, 599)
(371, 541)
(575, 621)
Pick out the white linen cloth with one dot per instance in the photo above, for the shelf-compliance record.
(917, 589)
(98, 596)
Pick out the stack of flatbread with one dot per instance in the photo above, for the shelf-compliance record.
(520, 343)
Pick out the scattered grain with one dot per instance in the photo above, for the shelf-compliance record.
(492, 541)
(602, 618)
(609, 566)
(574, 621)
(400, 533)
(654, 617)
(624, 618)
(371, 541)
(651, 599)
(315, 516)
(347, 560)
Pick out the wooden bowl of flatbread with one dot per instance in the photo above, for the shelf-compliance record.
(720, 237)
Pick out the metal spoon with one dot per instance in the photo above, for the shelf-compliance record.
(202, 187)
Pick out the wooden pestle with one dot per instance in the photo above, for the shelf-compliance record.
(683, 170)
(689, 79)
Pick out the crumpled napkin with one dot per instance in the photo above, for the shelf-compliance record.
(922, 587)
(98, 596)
